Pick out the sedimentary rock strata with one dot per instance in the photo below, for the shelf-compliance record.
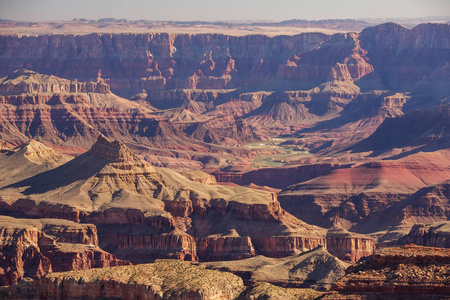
(397, 273)
(35, 247)
(147, 281)
(143, 212)
(299, 270)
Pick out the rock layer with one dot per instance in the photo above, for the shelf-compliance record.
(397, 273)
(33, 248)
(147, 281)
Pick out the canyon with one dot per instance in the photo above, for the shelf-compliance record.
(302, 165)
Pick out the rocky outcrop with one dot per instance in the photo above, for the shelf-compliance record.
(432, 235)
(140, 247)
(224, 248)
(131, 282)
(349, 246)
(33, 248)
(200, 177)
(21, 255)
(221, 129)
(425, 45)
(299, 270)
(115, 151)
(397, 273)
(24, 81)
(280, 246)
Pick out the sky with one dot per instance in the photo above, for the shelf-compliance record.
(213, 10)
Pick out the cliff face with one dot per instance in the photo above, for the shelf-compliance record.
(432, 235)
(349, 246)
(155, 60)
(33, 248)
(147, 281)
(403, 57)
(299, 270)
(397, 273)
(204, 61)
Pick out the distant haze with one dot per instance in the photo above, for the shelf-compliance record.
(210, 10)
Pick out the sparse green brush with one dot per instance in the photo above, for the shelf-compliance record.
(264, 290)
(168, 277)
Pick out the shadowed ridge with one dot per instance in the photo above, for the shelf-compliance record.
(81, 168)
(428, 130)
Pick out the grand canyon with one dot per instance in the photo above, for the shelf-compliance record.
(158, 160)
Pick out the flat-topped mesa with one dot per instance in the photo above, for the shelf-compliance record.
(113, 151)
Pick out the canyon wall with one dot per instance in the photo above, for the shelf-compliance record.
(216, 61)
(155, 61)
(35, 247)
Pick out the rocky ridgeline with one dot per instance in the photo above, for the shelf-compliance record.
(160, 280)
(431, 235)
(216, 61)
(410, 271)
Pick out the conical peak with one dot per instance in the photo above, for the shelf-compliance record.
(115, 151)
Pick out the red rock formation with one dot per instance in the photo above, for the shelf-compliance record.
(388, 45)
(224, 248)
(349, 246)
(21, 255)
(33, 248)
(281, 246)
(339, 58)
(156, 55)
(397, 273)
(432, 235)
(18, 82)
(145, 247)
(221, 129)
(53, 110)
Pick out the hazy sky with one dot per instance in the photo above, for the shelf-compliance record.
(210, 10)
